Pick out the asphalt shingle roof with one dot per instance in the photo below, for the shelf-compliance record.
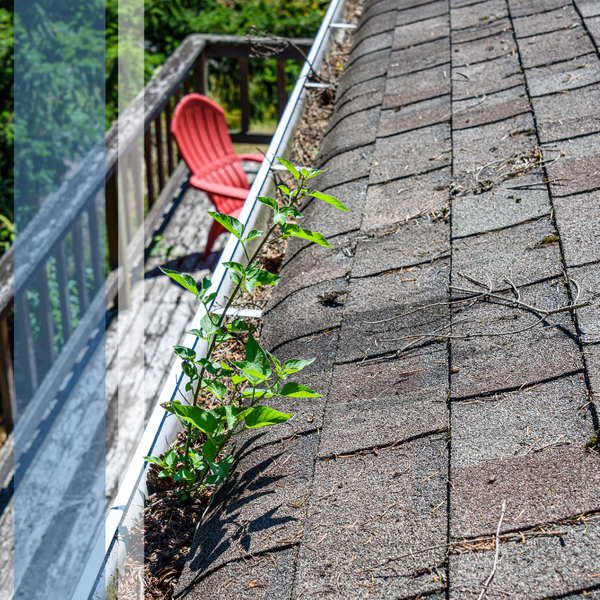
(381, 488)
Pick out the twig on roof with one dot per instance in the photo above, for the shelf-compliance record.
(493, 572)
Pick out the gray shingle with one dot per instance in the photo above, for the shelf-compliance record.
(421, 32)
(577, 218)
(406, 487)
(563, 76)
(487, 364)
(521, 422)
(389, 204)
(410, 153)
(554, 47)
(540, 567)
(415, 242)
(475, 14)
(554, 20)
(525, 253)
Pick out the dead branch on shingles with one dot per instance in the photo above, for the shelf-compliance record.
(511, 167)
(496, 555)
(478, 295)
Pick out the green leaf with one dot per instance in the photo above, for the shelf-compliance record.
(226, 462)
(165, 473)
(275, 361)
(221, 469)
(204, 286)
(197, 459)
(209, 450)
(268, 201)
(171, 458)
(237, 272)
(237, 379)
(185, 353)
(290, 167)
(262, 416)
(280, 216)
(294, 230)
(231, 412)
(208, 366)
(253, 234)
(329, 199)
(217, 388)
(256, 277)
(190, 369)
(197, 333)
(291, 211)
(238, 324)
(295, 365)
(210, 297)
(209, 323)
(212, 479)
(256, 362)
(184, 280)
(230, 223)
(284, 189)
(184, 475)
(257, 393)
(156, 461)
(199, 418)
(314, 173)
(296, 390)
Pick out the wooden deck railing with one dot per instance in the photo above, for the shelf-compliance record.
(139, 169)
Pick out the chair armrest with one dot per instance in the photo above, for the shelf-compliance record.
(219, 189)
(252, 157)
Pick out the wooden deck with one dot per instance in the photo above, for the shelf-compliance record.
(131, 365)
(137, 365)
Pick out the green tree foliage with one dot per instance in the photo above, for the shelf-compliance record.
(60, 94)
(58, 66)
(167, 22)
(7, 60)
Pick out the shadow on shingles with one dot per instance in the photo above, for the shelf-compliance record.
(216, 537)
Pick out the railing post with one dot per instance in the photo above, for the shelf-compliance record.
(96, 244)
(112, 220)
(47, 354)
(6, 377)
(79, 256)
(201, 74)
(281, 95)
(124, 180)
(63, 291)
(159, 152)
(26, 355)
(177, 97)
(138, 185)
(148, 161)
(170, 163)
(244, 96)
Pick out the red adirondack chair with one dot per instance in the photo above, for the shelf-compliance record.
(199, 128)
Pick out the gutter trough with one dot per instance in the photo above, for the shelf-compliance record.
(112, 543)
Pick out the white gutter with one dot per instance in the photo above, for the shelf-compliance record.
(111, 546)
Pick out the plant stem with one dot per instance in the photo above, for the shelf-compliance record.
(211, 348)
